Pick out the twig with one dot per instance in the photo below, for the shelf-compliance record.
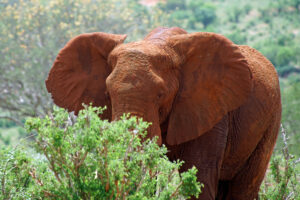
(285, 148)
(82, 159)
(4, 174)
(52, 167)
(297, 161)
(12, 119)
(287, 158)
(3, 178)
(40, 183)
(176, 191)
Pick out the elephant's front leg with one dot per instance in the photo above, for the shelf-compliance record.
(206, 153)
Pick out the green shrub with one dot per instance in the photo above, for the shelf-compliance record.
(190, 15)
(85, 157)
(6, 140)
(14, 174)
(284, 56)
(291, 114)
(5, 123)
(282, 181)
(237, 37)
(282, 178)
(285, 71)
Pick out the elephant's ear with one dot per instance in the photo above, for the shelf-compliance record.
(79, 72)
(215, 79)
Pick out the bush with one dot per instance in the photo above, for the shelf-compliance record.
(14, 174)
(190, 15)
(85, 157)
(291, 115)
(33, 31)
(282, 178)
(5, 123)
(284, 56)
(285, 71)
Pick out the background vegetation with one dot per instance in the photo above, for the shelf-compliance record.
(33, 31)
(85, 157)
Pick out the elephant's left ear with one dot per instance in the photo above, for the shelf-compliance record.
(215, 79)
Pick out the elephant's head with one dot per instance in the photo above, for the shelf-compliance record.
(187, 82)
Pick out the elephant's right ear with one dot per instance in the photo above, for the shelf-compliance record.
(79, 72)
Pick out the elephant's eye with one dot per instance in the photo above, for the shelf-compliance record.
(160, 111)
(107, 96)
(160, 95)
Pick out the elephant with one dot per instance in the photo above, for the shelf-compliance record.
(214, 104)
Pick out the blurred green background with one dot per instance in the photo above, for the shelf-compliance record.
(33, 31)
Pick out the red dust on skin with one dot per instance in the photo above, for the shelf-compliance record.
(214, 104)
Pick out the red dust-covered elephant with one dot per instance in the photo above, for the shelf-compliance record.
(214, 104)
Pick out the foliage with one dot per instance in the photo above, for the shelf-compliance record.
(14, 174)
(88, 158)
(283, 176)
(33, 31)
(282, 180)
(287, 70)
(291, 115)
(4, 123)
(272, 27)
(12, 136)
(190, 15)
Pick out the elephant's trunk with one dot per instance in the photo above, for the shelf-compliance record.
(148, 115)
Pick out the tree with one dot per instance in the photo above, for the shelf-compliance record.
(291, 115)
(190, 15)
(33, 31)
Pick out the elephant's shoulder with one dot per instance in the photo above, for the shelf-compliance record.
(257, 61)
(263, 72)
(265, 97)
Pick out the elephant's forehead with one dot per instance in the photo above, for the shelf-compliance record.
(141, 48)
(145, 52)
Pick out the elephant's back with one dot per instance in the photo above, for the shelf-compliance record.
(263, 72)
(265, 96)
(250, 121)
